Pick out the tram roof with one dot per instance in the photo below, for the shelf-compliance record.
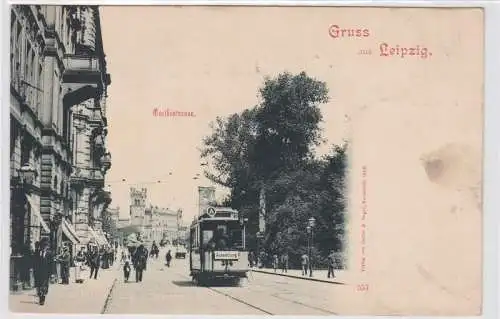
(221, 214)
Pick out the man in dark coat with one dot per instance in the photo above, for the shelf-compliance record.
(94, 262)
(65, 262)
(331, 264)
(140, 261)
(43, 263)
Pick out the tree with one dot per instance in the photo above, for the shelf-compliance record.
(288, 122)
(270, 146)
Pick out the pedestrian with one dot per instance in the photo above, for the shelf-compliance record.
(284, 263)
(275, 262)
(168, 257)
(331, 264)
(94, 262)
(43, 261)
(65, 262)
(154, 250)
(105, 258)
(140, 261)
(305, 263)
(79, 264)
(126, 269)
(251, 258)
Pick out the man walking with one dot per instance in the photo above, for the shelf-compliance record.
(43, 263)
(284, 263)
(305, 263)
(79, 262)
(65, 262)
(95, 262)
(275, 262)
(331, 264)
(140, 261)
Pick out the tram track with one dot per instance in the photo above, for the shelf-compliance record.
(234, 298)
(253, 306)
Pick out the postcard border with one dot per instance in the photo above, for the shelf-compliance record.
(491, 174)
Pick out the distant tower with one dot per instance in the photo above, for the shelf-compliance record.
(138, 198)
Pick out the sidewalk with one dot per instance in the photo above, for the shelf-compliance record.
(318, 275)
(88, 297)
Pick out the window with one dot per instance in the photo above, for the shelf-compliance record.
(207, 235)
(236, 238)
(12, 41)
(40, 86)
(29, 62)
(25, 153)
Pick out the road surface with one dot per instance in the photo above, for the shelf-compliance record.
(170, 291)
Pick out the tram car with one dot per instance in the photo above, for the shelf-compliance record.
(217, 248)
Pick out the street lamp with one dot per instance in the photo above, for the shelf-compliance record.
(310, 230)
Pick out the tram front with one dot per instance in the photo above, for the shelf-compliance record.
(223, 238)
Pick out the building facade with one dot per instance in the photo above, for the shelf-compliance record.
(138, 198)
(154, 223)
(57, 72)
(110, 223)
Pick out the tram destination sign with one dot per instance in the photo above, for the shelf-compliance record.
(224, 255)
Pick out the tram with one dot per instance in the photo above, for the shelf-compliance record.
(217, 247)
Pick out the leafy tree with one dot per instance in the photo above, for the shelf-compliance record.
(270, 146)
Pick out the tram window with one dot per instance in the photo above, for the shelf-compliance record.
(207, 235)
(192, 240)
(223, 228)
(236, 238)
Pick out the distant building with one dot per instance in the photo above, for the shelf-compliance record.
(154, 223)
(138, 199)
(123, 222)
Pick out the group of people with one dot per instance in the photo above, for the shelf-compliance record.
(137, 259)
(44, 261)
(283, 263)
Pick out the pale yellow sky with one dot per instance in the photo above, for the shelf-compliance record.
(197, 60)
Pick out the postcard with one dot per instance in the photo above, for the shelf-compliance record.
(246, 160)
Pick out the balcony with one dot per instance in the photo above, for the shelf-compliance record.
(82, 69)
(86, 176)
(96, 175)
(106, 161)
(81, 63)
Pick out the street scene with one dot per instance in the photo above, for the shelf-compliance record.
(188, 160)
(255, 227)
(169, 290)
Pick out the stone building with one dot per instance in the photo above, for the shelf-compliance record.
(138, 198)
(110, 223)
(153, 222)
(165, 224)
(57, 73)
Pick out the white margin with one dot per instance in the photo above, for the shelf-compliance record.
(491, 176)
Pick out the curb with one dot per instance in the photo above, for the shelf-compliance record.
(303, 278)
(110, 291)
(108, 297)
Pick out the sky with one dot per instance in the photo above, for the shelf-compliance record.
(199, 60)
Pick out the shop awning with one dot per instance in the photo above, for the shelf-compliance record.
(36, 210)
(103, 238)
(96, 236)
(70, 232)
